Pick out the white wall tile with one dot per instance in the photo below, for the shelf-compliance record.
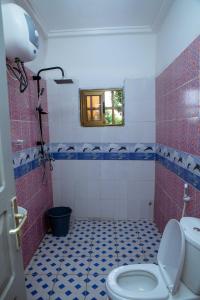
(104, 188)
(140, 194)
(64, 115)
(115, 189)
(139, 100)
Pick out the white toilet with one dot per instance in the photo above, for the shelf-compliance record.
(177, 275)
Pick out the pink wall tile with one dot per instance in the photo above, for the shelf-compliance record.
(23, 110)
(31, 193)
(169, 197)
(177, 126)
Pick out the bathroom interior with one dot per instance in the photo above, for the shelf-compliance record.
(100, 114)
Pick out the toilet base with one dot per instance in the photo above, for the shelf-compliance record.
(183, 294)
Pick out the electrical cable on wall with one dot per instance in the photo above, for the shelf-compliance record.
(19, 73)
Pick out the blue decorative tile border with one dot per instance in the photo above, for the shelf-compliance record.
(26, 168)
(102, 151)
(25, 156)
(26, 160)
(183, 164)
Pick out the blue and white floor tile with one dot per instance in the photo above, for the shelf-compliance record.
(70, 287)
(102, 264)
(150, 257)
(96, 288)
(131, 259)
(103, 249)
(39, 287)
(105, 239)
(75, 267)
(127, 235)
(44, 265)
(56, 248)
(81, 251)
(86, 235)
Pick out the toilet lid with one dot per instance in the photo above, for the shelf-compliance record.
(171, 255)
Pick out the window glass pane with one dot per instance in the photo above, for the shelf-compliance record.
(102, 107)
(95, 101)
(118, 116)
(89, 115)
(96, 114)
(108, 98)
(108, 116)
(117, 98)
(88, 101)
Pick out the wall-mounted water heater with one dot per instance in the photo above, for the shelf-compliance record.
(20, 33)
(21, 41)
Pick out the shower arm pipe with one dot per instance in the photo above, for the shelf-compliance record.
(38, 78)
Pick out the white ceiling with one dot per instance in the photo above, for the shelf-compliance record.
(65, 15)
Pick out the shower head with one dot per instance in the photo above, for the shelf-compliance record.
(63, 81)
(58, 81)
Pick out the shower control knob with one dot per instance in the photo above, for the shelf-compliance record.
(150, 203)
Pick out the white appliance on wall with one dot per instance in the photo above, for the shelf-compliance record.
(21, 41)
(20, 33)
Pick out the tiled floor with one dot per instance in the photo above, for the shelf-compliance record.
(75, 267)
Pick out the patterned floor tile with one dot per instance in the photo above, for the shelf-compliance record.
(103, 239)
(150, 244)
(127, 239)
(127, 235)
(106, 226)
(102, 264)
(103, 223)
(96, 289)
(70, 287)
(128, 249)
(102, 231)
(87, 234)
(49, 238)
(80, 249)
(150, 247)
(138, 258)
(39, 287)
(126, 226)
(44, 265)
(82, 224)
(80, 239)
(57, 247)
(150, 257)
(103, 249)
(75, 266)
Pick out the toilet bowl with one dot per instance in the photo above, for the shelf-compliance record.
(154, 282)
(135, 282)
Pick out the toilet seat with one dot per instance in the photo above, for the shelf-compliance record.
(155, 285)
(148, 281)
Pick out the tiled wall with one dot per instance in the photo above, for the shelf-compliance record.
(106, 183)
(178, 127)
(32, 194)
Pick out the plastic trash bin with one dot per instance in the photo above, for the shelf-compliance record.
(59, 219)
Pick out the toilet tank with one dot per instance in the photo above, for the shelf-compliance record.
(191, 269)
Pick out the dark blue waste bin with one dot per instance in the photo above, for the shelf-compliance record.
(59, 219)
